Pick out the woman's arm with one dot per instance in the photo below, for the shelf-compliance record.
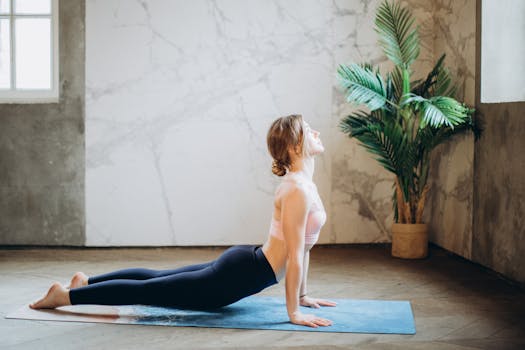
(294, 209)
(304, 299)
(306, 263)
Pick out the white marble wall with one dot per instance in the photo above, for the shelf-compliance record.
(179, 98)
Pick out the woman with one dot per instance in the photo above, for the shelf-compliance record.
(241, 270)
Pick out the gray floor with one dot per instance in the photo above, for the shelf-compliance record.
(456, 304)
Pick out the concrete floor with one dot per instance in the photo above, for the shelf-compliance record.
(457, 304)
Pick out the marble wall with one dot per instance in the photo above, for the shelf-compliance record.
(179, 96)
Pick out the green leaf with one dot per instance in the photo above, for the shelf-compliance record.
(423, 88)
(383, 138)
(397, 80)
(443, 110)
(398, 38)
(363, 86)
(431, 137)
(443, 84)
(437, 83)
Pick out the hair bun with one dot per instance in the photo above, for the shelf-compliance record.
(278, 168)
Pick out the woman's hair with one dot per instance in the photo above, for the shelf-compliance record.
(285, 133)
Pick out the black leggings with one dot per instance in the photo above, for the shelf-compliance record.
(239, 272)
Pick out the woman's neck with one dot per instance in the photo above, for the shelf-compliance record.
(303, 167)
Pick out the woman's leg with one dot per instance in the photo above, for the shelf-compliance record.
(190, 289)
(233, 276)
(226, 280)
(143, 274)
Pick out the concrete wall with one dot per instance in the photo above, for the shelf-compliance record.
(42, 153)
(499, 224)
(499, 185)
(450, 201)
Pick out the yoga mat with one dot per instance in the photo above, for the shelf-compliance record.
(255, 312)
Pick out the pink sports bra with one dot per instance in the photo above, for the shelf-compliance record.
(314, 222)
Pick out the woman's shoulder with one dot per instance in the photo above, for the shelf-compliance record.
(299, 183)
(294, 190)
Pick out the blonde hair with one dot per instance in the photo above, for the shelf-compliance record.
(285, 132)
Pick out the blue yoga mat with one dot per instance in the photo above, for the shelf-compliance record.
(255, 312)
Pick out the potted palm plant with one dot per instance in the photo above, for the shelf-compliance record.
(404, 121)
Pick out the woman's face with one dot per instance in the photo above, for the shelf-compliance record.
(312, 142)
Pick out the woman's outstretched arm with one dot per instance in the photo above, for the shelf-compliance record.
(294, 209)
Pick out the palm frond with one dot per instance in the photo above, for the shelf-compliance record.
(363, 86)
(384, 139)
(423, 88)
(443, 84)
(356, 124)
(430, 137)
(438, 110)
(398, 38)
(437, 83)
(443, 110)
(384, 114)
(397, 81)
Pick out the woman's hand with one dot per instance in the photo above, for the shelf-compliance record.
(309, 320)
(315, 303)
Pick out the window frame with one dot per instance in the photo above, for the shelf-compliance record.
(34, 95)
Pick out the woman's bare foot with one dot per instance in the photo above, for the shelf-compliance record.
(57, 296)
(80, 279)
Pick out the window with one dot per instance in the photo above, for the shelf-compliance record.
(502, 51)
(28, 51)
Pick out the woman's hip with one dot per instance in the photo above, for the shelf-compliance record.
(245, 266)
